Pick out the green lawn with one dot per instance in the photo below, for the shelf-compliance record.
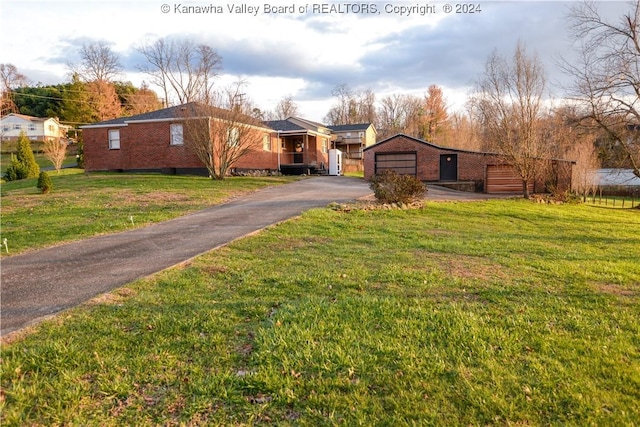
(488, 313)
(83, 205)
(41, 159)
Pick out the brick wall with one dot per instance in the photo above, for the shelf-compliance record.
(472, 166)
(146, 146)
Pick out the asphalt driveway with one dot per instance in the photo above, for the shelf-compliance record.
(42, 283)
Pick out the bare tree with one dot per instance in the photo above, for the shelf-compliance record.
(209, 63)
(399, 113)
(351, 106)
(607, 75)
(464, 132)
(55, 151)
(286, 108)
(141, 101)
(508, 101)
(365, 107)
(220, 137)
(98, 68)
(584, 153)
(234, 97)
(339, 113)
(182, 69)
(10, 79)
(97, 63)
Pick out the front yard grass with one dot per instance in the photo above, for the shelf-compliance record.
(488, 313)
(83, 205)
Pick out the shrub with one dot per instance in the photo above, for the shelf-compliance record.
(15, 171)
(24, 156)
(389, 187)
(44, 182)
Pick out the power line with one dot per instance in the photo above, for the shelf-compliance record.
(31, 95)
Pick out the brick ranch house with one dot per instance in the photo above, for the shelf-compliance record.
(154, 142)
(461, 169)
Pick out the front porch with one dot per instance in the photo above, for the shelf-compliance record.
(300, 155)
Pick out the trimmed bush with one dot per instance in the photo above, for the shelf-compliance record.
(44, 182)
(389, 187)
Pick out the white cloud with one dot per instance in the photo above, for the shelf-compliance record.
(302, 54)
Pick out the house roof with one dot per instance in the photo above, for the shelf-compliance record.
(297, 125)
(421, 141)
(283, 125)
(309, 123)
(348, 128)
(191, 109)
(455, 150)
(29, 118)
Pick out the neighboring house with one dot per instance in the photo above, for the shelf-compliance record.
(304, 145)
(468, 170)
(154, 142)
(352, 139)
(35, 128)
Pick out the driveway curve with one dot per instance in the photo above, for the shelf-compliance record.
(39, 284)
(42, 283)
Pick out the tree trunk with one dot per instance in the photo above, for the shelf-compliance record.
(525, 188)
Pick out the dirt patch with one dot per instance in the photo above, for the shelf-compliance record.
(617, 290)
(146, 199)
(111, 298)
(468, 267)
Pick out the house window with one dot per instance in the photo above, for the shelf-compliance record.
(16, 126)
(266, 142)
(324, 145)
(360, 134)
(233, 137)
(114, 139)
(177, 134)
(32, 127)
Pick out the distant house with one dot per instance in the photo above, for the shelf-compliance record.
(154, 142)
(352, 139)
(35, 128)
(461, 169)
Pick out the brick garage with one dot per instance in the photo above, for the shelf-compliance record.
(432, 163)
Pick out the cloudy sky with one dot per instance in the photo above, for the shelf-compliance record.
(298, 47)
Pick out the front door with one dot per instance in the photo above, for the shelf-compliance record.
(448, 167)
(298, 151)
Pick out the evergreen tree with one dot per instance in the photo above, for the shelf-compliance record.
(44, 182)
(25, 157)
(15, 170)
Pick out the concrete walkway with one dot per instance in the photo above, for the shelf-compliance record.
(39, 284)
